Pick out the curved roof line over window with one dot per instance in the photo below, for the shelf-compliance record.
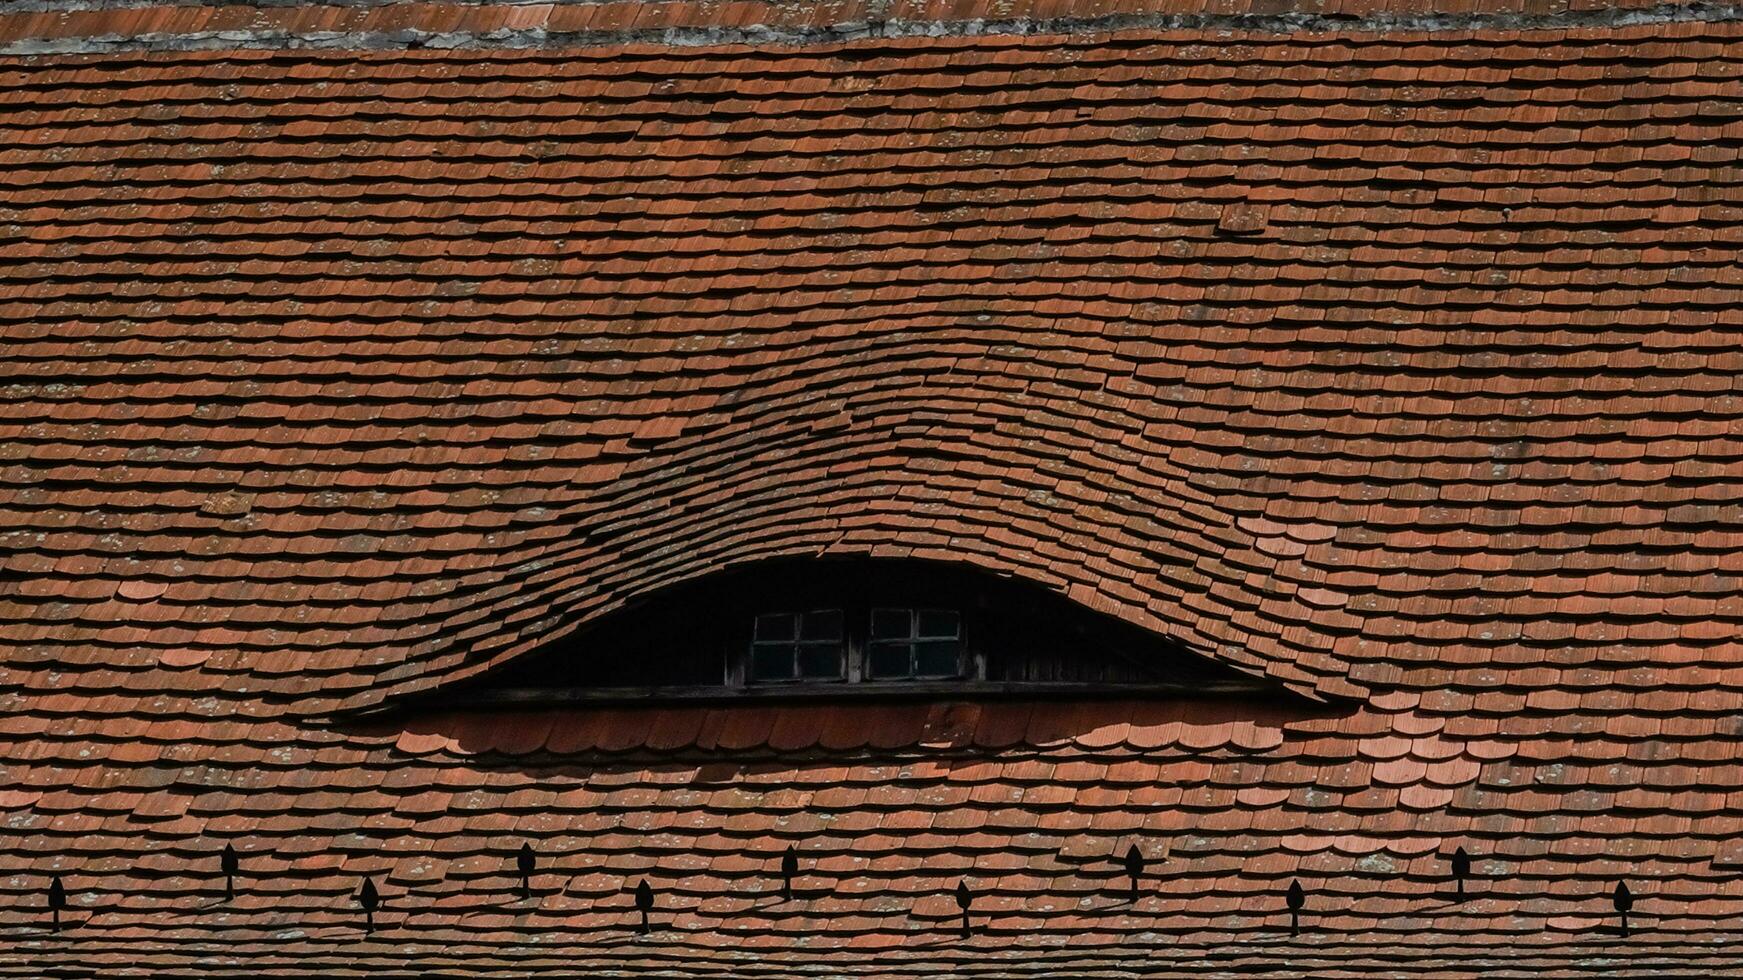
(1066, 487)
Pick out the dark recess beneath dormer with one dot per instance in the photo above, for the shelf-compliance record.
(1019, 639)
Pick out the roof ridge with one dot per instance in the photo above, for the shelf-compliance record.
(95, 26)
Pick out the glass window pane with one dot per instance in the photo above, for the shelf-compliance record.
(940, 623)
(890, 624)
(820, 660)
(939, 658)
(774, 626)
(890, 660)
(821, 624)
(771, 663)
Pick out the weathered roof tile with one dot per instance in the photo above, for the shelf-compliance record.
(335, 375)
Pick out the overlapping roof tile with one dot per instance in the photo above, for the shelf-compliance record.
(1397, 367)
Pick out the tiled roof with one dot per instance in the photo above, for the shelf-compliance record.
(1395, 367)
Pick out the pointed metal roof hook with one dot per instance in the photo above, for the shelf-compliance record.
(963, 900)
(1134, 863)
(789, 871)
(644, 903)
(370, 899)
(1623, 901)
(1295, 898)
(229, 864)
(57, 901)
(1461, 869)
(524, 862)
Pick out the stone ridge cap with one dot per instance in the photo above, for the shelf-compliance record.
(699, 35)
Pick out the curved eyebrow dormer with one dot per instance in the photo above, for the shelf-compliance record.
(846, 628)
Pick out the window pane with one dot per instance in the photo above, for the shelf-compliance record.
(939, 658)
(890, 659)
(821, 624)
(774, 626)
(940, 623)
(890, 624)
(820, 660)
(771, 663)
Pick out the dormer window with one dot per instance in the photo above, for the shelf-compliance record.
(914, 643)
(857, 644)
(798, 646)
(838, 628)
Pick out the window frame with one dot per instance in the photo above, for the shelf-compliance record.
(912, 639)
(797, 643)
(856, 639)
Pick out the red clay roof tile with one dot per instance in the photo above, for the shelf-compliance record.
(339, 374)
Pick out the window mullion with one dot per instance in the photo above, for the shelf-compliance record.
(913, 643)
(854, 632)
